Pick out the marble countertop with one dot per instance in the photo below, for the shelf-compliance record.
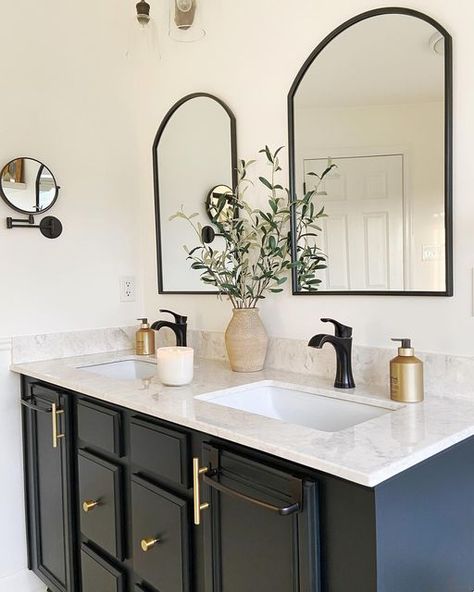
(368, 453)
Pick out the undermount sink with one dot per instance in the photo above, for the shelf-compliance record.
(301, 407)
(123, 370)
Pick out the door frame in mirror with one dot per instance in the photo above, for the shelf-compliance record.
(448, 152)
(42, 166)
(233, 144)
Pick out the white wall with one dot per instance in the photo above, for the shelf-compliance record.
(65, 100)
(66, 87)
(249, 58)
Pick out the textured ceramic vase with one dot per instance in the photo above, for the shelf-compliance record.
(246, 341)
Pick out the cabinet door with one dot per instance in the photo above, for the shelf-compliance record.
(160, 537)
(46, 418)
(260, 529)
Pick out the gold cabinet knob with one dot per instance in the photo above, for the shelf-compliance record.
(147, 544)
(89, 505)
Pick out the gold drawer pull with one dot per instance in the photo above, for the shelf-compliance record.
(89, 505)
(55, 412)
(198, 507)
(147, 544)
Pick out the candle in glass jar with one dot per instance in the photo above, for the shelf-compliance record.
(175, 365)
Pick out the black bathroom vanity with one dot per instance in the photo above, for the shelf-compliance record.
(120, 501)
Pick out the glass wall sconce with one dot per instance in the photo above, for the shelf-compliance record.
(186, 20)
(143, 12)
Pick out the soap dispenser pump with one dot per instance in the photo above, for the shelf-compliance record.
(406, 374)
(144, 339)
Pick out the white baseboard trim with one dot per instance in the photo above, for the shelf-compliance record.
(21, 581)
(5, 343)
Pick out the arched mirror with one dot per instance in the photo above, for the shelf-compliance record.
(28, 186)
(195, 162)
(370, 136)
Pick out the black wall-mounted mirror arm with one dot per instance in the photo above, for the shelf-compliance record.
(50, 227)
(208, 234)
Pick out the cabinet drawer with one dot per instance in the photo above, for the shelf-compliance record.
(99, 427)
(159, 516)
(100, 498)
(98, 575)
(160, 451)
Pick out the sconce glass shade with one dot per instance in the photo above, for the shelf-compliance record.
(143, 12)
(186, 22)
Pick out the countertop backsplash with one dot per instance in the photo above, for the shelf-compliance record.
(445, 374)
(49, 346)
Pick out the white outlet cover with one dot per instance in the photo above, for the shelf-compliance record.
(431, 253)
(128, 289)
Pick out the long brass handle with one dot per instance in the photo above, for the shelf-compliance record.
(89, 505)
(147, 544)
(55, 412)
(198, 507)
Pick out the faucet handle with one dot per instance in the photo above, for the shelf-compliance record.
(179, 319)
(340, 329)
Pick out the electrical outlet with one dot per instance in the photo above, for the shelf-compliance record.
(431, 253)
(128, 289)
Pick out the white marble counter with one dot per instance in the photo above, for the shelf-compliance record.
(368, 453)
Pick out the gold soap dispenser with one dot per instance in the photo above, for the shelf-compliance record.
(406, 374)
(144, 339)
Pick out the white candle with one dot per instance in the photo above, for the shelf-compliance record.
(175, 365)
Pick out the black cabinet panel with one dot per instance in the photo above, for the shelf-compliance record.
(100, 502)
(98, 575)
(99, 427)
(46, 480)
(250, 543)
(425, 524)
(50, 500)
(160, 451)
(159, 516)
(256, 548)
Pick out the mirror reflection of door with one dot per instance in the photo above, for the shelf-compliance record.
(363, 234)
(194, 152)
(375, 100)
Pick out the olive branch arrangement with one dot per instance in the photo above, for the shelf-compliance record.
(256, 254)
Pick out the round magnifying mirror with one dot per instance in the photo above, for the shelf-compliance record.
(28, 186)
(219, 204)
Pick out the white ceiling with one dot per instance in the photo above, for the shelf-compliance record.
(383, 60)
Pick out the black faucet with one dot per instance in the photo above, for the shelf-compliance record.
(342, 343)
(179, 327)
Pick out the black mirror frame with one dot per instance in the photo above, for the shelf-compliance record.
(448, 153)
(42, 166)
(233, 142)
